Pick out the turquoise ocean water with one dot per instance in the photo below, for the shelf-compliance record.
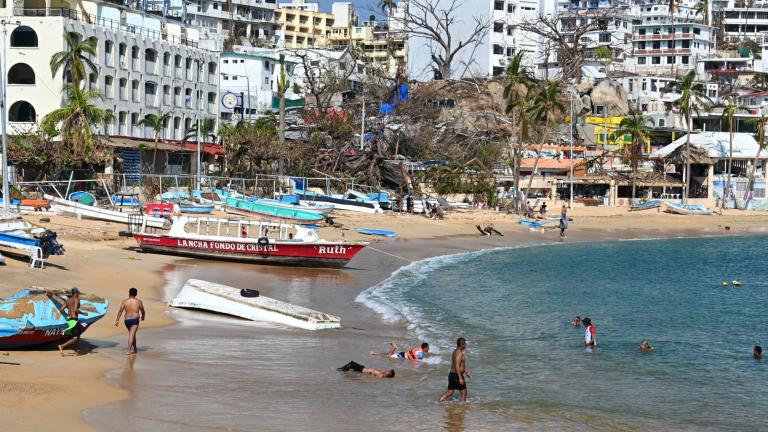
(514, 306)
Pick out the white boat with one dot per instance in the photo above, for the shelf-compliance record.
(18, 235)
(687, 209)
(209, 296)
(60, 205)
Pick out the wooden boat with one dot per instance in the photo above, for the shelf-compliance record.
(339, 202)
(234, 205)
(248, 241)
(652, 204)
(65, 206)
(687, 209)
(377, 232)
(195, 208)
(209, 296)
(287, 203)
(32, 316)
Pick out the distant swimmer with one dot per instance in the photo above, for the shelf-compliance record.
(376, 373)
(590, 334)
(576, 321)
(412, 354)
(645, 346)
(458, 369)
(757, 353)
(134, 312)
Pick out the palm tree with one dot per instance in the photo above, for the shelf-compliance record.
(673, 8)
(519, 83)
(635, 126)
(545, 104)
(730, 109)
(702, 9)
(760, 135)
(692, 98)
(77, 120)
(157, 123)
(207, 127)
(75, 58)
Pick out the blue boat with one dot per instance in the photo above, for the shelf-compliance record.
(125, 200)
(378, 232)
(16, 235)
(652, 204)
(535, 224)
(263, 209)
(192, 207)
(33, 317)
(81, 197)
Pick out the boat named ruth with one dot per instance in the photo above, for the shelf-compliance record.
(249, 241)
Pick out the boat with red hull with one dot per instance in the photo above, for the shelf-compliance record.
(32, 317)
(248, 241)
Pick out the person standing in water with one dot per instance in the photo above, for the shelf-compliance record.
(590, 334)
(458, 369)
(134, 311)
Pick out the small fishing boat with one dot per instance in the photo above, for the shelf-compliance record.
(293, 202)
(652, 204)
(248, 241)
(536, 223)
(687, 209)
(32, 316)
(28, 204)
(247, 304)
(60, 205)
(339, 202)
(195, 208)
(18, 235)
(378, 232)
(234, 205)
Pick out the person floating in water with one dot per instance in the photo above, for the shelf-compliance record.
(590, 334)
(415, 354)
(456, 375)
(757, 353)
(645, 346)
(134, 312)
(376, 373)
(576, 321)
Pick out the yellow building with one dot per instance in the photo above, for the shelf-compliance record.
(305, 28)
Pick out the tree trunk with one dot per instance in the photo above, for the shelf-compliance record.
(687, 169)
(281, 95)
(154, 154)
(535, 165)
(634, 169)
(751, 183)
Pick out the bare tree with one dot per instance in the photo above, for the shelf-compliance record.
(324, 77)
(437, 21)
(566, 35)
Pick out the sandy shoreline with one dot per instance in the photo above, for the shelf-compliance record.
(98, 261)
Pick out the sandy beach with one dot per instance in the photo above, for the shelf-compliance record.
(104, 385)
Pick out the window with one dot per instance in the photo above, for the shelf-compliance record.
(644, 86)
(661, 122)
(108, 52)
(498, 49)
(670, 44)
(498, 5)
(605, 37)
(671, 60)
(215, 6)
(641, 60)
(684, 59)
(498, 27)
(670, 30)
(641, 31)
(510, 31)
(21, 73)
(686, 44)
(696, 30)
(655, 60)
(644, 107)
(108, 83)
(641, 45)
(23, 37)
(656, 45)
(631, 85)
(266, 80)
(226, 61)
(686, 29)
(22, 111)
(123, 84)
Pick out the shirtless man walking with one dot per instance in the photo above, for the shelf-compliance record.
(134, 309)
(458, 369)
(72, 307)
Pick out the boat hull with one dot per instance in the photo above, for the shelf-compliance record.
(234, 205)
(332, 255)
(341, 203)
(66, 206)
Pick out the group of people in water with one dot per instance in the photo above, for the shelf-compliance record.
(457, 375)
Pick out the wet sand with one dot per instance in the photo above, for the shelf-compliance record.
(212, 372)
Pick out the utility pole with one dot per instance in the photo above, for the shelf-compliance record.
(198, 153)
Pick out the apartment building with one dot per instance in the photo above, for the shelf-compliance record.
(661, 46)
(245, 21)
(146, 65)
(302, 25)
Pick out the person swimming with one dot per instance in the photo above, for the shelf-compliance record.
(645, 346)
(412, 354)
(757, 353)
(576, 321)
(373, 372)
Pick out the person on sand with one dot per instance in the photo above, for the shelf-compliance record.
(458, 369)
(414, 354)
(376, 373)
(590, 334)
(73, 330)
(576, 321)
(645, 347)
(134, 312)
(757, 353)
(563, 222)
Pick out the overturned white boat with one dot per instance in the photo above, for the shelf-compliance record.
(209, 296)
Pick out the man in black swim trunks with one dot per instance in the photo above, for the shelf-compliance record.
(134, 309)
(458, 369)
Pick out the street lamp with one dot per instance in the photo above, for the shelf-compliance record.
(3, 119)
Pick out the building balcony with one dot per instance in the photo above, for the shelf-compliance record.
(679, 51)
(663, 36)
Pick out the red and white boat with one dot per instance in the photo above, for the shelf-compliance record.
(249, 241)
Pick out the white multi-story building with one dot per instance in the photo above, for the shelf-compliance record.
(661, 46)
(146, 65)
(251, 21)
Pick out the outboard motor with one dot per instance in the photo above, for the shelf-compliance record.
(49, 245)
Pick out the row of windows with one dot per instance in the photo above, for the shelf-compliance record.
(670, 30)
(668, 44)
(657, 60)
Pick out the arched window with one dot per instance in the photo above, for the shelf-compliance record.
(21, 73)
(23, 37)
(22, 112)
